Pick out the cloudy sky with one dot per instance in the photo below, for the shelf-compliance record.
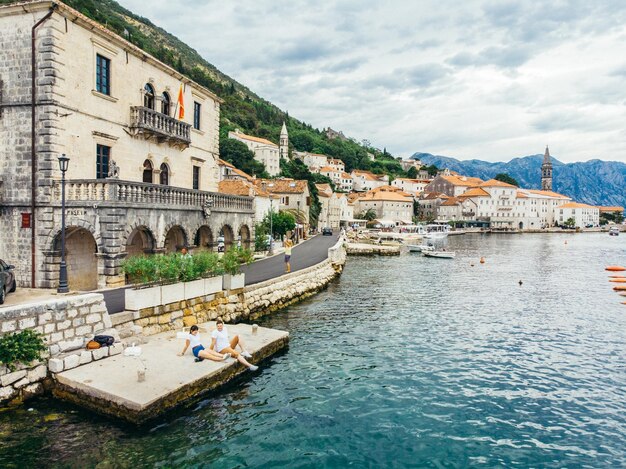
(470, 79)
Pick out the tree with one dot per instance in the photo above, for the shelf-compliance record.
(369, 215)
(412, 173)
(432, 170)
(504, 177)
(241, 157)
(570, 222)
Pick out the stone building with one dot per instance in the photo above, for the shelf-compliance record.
(143, 144)
(546, 171)
(265, 152)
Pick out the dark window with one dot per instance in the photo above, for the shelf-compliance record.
(196, 115)
(196, 177)
(147, 171)
(103, 75)
(164, 177)
(103, 154)
(308, 201)
(148, 96)
(165, 103)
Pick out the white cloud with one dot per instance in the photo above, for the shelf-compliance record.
(489, 79)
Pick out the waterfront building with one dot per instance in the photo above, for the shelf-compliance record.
(583, 215)
(452, 185)
(389, 203)
(265, 152)
(546, 171)
(428, 205)
(143, 143)
(364, 181)
(330, 213)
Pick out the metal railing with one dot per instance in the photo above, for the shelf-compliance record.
(129, 192)
(161, 126)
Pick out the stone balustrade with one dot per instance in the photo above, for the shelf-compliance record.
(115, 191)
(155, 124)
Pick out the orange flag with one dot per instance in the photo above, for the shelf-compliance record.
(181, 103)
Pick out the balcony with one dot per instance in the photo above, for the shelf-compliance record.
(468, 213)
(113, 192)
(157, 126)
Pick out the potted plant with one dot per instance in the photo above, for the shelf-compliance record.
(210, 269)
(231, 263)
(142, 271)
(171, 267)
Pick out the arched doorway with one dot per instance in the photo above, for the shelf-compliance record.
(80, 258)
(175, 239)
(147, 171)
(229, 236)
(244, 236)
(521, 225)
(204, 238)
(140, 241)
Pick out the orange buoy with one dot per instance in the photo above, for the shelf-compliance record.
(482, 260)
(565, 241)
(615, 268)
(619, 288)
(618, 280)
(617, 276)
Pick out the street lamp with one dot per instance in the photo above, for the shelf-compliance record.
(271, 250)
(64, 162)
(298, 224)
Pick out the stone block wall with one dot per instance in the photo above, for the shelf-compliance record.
(67, 324)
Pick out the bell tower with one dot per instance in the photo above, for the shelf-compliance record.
(546, 172)
(284, 143)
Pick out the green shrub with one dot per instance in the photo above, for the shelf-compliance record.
(230, 262)
(207, 264)
(170, 267)
(141, 269)
(21, 347)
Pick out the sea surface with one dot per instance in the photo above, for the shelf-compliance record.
(401, 362)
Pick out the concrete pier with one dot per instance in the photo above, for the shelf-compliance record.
(364, 249)
(111, 386)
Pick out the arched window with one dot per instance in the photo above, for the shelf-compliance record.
(148, 96)
(147, 171)
(165, 103)
(165, 175)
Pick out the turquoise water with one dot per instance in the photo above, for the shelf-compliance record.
(402, 362)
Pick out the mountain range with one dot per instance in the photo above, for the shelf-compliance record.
(593, 182)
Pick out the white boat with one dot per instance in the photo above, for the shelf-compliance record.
(437, 231)
(440, 254)
(614, 231)
(420, 247)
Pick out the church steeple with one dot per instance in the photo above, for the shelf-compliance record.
(546, 171)
(284, 143)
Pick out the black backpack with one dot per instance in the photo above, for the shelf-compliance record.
(104, 340)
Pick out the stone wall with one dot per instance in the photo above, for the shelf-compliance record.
(67, 324)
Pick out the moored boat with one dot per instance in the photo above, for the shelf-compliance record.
(440, 254)
(420, 247)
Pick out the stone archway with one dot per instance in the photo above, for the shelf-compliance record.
(175, 239)
(229, 236)
(80, 257)
(140, 241)
(204, 239)
(244, 236)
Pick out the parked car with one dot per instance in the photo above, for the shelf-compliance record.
(7, 280)
(327, 231)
